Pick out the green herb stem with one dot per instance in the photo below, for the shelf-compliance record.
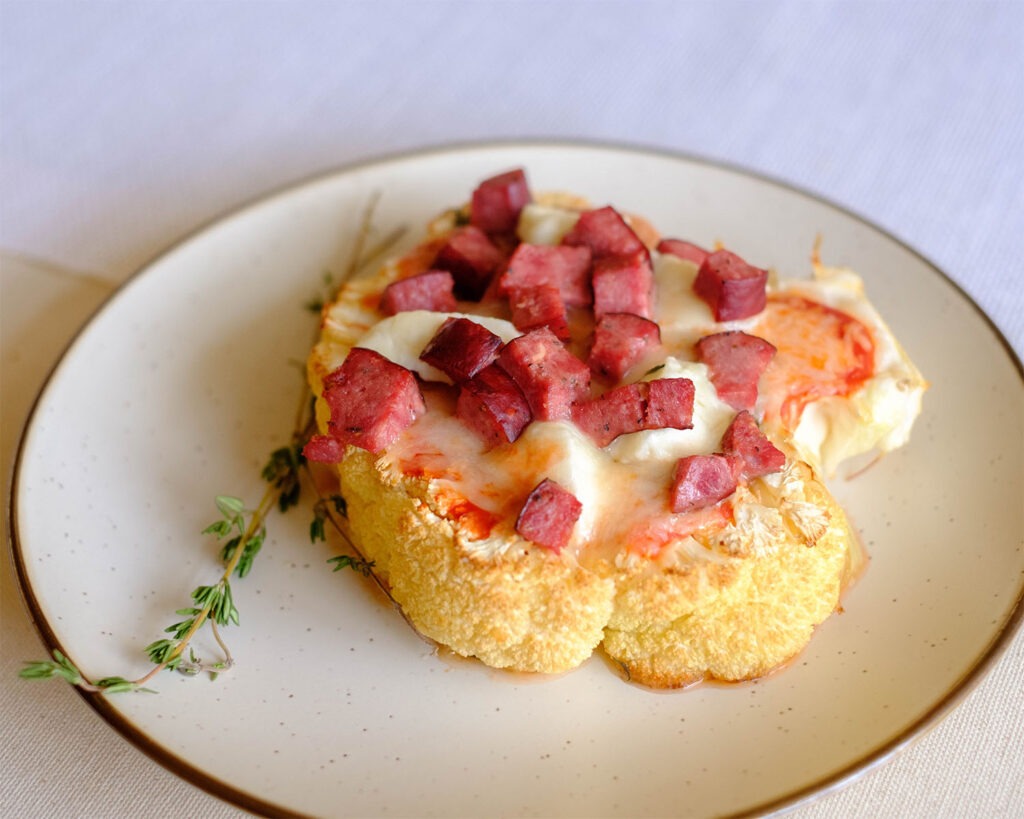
(255, 524)
(214, 605)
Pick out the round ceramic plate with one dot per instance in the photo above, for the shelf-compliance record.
(188, 378)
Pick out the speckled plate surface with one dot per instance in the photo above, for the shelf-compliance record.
(183, 383)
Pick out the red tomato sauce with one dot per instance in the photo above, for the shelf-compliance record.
(821, 352)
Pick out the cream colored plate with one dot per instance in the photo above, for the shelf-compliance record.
(182, 385)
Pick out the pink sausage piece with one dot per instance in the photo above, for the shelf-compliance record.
(735, 361)
(661, 404)
(606, 233)
(549, 515)
(472, 259)
(732, 288)
(743, 438)
(612, 414)
(461, 348)
(624, 284)
(567, 268)
(497, 202)
(620, 340)
(669, 404)
(700, 481)
(372, 401)
(539, 305)
(684, 250)
(432, 290)
(551, 378)
(493, 406)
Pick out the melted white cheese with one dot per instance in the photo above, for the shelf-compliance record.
(544, 225)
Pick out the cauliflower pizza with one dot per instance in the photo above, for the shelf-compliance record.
(556, 431)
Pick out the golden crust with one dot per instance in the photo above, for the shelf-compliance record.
(733, 601)
(731, 620)
(728, 617)
(530, 610)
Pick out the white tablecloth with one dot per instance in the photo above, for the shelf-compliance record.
(123, 126)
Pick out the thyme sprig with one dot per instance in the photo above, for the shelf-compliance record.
(245, 531)
(60, 666)
(213, 604)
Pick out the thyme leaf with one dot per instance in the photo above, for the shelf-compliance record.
(282, 471)
(359, 564)
(321, 514)
(60, 666)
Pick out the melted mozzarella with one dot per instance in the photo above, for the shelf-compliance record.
(615, 495)
(878, 417)
(681, 314)
(545, 225)
(621, 488)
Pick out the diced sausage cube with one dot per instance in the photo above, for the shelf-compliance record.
(620, 340)
(624, 284)
(497, 201)
(700, 481)
(669, 404)
(461, 348)
(471, 258)
(568, 268)
(539, 306)
(432, 290)
(665, 403)
(744, 438)
(612, 414)
(735, 361)
(551, 377)
(493, 406)
(606, 233)
(684, 250)
(549, 515)
(372, 401)
(324, 449)
(732, 288)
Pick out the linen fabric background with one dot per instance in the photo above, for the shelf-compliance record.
(124, 125)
